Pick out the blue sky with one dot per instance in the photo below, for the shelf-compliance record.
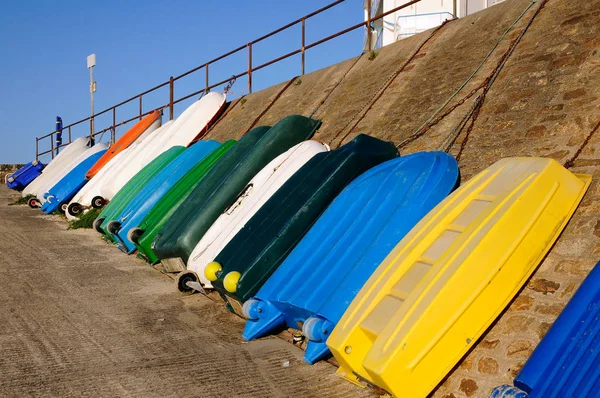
(138, 45)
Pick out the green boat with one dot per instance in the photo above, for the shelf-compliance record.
(255, 252)
(143, 235)
(133, 186)
(223, 184)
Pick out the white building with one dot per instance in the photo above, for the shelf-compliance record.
(416, 18)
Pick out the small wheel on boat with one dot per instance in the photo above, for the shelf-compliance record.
(135, 234)
(113, 227)
(98, 202)
(97, 224)
(74, 209)
(183, 278)
(63, 207)
(33, 203)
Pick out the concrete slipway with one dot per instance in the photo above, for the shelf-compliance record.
(79, 318)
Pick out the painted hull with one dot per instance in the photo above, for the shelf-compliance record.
(50, 182)
(318, 280)
(443, 285)
(70, 152)
(256, 194)
(566, 363)
(68, 186)
(225, 181)
(148, 124)
(94, 188)
(162, 211)
(25, 175)
(136, 184)
(182, 133)
(260, 247)
(137, 208)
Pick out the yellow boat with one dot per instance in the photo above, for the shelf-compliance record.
(444, 284)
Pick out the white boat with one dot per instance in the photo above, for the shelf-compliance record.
(67, 155)
(183, 131)
(257, 193)
(56, 177)
(91, 192)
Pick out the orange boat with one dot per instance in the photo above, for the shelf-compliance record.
(147, 124)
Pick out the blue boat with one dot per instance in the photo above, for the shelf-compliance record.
(153, 191)
(259, 248)
(22, 177)
(566, 363)
(64, 190)
(319, 279)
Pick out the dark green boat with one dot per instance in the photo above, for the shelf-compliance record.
(222, 185)
(252, 256)
(133, 187)
(143, 234)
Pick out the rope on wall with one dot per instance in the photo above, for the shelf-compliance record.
(279, 94)
(335, 86)
(494, 75)
(571, 162)
(368, 105)
(435, 118)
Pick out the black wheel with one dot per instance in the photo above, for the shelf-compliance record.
(63, 207)
(113, 227)
(135, 234)
(97, 225)
(74, 209)
(98, 202)
(33, 203)
(183, 278)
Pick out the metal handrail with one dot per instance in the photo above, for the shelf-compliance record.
(248, 46)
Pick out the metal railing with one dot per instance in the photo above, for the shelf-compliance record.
(251, 68)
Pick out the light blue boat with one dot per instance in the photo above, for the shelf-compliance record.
(566, 363)
(64, 190)
(153, 191)
(319, 279)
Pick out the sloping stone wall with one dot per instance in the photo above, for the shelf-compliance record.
(544, 102)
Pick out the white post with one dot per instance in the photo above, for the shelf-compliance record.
(91, 62)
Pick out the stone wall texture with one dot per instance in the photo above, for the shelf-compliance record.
(545, 101)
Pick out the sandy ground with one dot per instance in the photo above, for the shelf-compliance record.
(80, 318)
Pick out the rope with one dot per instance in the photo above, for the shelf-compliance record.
(494, 75)
(368, 105)
(334, 87)
(279, 94)
(477, 69)
(571, 162)
(441, 117)
(221, 117)
(451, 139)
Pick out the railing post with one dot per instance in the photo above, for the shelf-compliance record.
(207, 84)
(141, 112)
(303, 43)
(369, 35)
(250, 68)
(113, 134)
(171, 90)
(37, 150)
(70, 139)
(52, 145)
